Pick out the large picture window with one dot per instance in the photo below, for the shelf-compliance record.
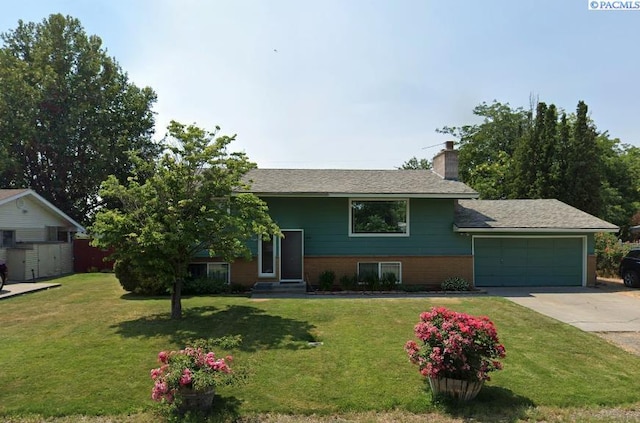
(379, 217)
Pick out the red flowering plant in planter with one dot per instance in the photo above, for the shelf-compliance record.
(455, 346)
(192, 369)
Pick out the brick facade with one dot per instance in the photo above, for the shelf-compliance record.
(415, 270)
(591, 270)
(431, 270)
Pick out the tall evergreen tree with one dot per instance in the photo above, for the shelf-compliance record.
(584, 165)
(527, 157)
(546, 177)
(561, 162)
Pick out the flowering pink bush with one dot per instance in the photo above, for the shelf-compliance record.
(455, 345)
(191, 368)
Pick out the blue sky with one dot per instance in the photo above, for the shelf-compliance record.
(360, 84)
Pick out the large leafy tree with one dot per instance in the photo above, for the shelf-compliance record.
(486, 149)
(189, 202)
(68, 114)
(620, 192)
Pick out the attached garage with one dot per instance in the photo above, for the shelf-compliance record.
(529, 261)
(529, 242)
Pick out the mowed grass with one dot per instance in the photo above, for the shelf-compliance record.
(87, 347)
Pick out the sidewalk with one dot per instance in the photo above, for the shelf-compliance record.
(13, 289)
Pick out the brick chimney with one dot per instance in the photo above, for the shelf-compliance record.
(445, 163)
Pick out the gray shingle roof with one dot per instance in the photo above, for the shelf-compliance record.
(339, 182)
(540, 215)
(8, 193)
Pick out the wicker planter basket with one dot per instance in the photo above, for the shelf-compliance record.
(194, 400)
(461, 390)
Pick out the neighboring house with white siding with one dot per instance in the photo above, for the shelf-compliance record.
(36, 238)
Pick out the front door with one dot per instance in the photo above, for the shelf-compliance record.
(291, 255)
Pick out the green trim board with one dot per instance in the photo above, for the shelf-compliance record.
(511, 260)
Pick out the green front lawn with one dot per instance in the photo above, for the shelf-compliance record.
(87, 348)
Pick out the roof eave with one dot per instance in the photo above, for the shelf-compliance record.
(538, 230)
(367, 195)
(15, 196)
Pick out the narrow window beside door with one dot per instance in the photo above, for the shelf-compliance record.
(267, 258)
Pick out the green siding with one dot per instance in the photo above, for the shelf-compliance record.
(591, 244)
(528, 261)
(325, 222)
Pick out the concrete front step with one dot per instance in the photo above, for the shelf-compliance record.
(266, 288)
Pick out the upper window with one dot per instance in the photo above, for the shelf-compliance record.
(8, 239)
(55, 233)
(379, 217)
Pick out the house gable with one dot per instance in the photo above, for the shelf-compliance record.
(25, 209)
(30, 219)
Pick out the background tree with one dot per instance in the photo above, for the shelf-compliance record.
(486, 149)
(187, 204)
(415, 164)
(620, 192)
(68, 114)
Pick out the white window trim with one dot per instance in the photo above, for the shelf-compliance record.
(273, 259)
(394, 235)
(209, 264)
(380, 263)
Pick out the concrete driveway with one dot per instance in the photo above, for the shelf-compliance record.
(608, 307)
